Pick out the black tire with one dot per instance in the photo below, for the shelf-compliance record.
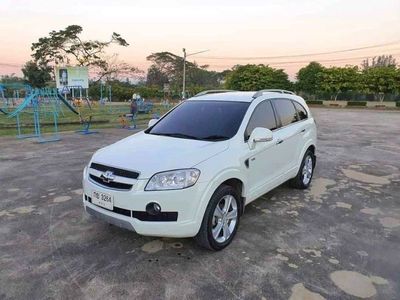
(204, 237)
(298, 182)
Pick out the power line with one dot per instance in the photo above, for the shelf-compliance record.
(288, 63)
(329, 60)
(302, 55)
(9, 65)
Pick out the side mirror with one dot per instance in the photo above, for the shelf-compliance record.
(259, 135)
(152, 122)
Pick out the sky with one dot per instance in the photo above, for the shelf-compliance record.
(234, 32)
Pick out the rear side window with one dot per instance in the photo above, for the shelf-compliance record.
(263, 116)
(286, 111)
(300, 110)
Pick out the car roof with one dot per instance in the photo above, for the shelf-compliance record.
(227, 96)
(244, 96)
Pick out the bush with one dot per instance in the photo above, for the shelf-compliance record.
(398, 104)
(356, 103)
(316, 102)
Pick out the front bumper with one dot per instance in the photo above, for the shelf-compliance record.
(130, 205)
(110, 218)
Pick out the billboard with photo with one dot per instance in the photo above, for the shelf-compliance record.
(72, 77)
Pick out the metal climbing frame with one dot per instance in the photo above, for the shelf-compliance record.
(41, 107)
(39, 103)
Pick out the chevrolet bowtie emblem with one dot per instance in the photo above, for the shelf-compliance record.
(107, 176)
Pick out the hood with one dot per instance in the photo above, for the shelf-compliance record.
(149, 154)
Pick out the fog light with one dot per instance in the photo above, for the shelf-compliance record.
(153, 208)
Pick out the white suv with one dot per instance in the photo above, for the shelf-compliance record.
(192, 172)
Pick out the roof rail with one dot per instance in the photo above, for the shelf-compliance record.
(213, 92)
(261, 92)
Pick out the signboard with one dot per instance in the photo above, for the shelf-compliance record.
(65, 90)
(72, 76)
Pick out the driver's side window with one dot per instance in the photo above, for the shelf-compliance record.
(263, 116)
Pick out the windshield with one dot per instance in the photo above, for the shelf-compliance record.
(202, 120)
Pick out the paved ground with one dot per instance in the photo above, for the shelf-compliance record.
(338, 240)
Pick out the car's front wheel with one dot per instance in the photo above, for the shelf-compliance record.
(221, 219)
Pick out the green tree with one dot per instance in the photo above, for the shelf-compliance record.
(379, 61)
(308, 78)
(167, 67)
(257, 77)
(336, 80)
(37, 76)
(65, 47)
(156, 77)
(381, 80)
(12, 78)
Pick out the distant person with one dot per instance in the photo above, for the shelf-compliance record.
(133, 107)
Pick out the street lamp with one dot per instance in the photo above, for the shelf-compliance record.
(184, 70)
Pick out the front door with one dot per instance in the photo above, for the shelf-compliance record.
(261, 161)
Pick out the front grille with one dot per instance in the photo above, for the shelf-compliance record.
(111, 184)
(116, 171)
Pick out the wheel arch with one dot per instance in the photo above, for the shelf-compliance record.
(310, 145)
(232, 177)
(238, 185)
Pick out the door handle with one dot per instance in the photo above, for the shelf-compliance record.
(303, 130)
(279, 142)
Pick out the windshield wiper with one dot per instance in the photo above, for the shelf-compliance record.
(178, 135)
(215, 138)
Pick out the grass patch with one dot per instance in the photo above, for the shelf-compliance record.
(102, 117)
(356, 103)
(315, 102)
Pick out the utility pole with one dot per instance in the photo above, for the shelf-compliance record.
(184, 70)
(184, 75)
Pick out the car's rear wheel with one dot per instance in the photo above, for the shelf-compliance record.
(221, 219)
(306, 171)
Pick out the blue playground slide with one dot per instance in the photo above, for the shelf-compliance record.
(63, 100)
(27, 101)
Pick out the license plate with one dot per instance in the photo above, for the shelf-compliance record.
(103, 200)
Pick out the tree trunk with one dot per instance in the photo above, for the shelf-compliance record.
(337, 94)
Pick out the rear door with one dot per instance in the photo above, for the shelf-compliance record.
(302, 128)
(287, 136)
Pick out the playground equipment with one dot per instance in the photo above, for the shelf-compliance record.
(128, 120)
(165, 104)
(85, 115)
(38, 104)
(104, 90)
(81, 105)
(143, 106)
(38, 107)
(10, 95)
(138, 105)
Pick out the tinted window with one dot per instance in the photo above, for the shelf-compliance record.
(263, 116)
(286, 111)
(300, 110)
(203, 120)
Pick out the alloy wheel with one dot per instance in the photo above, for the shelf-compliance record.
(307, 170)
(225, 218)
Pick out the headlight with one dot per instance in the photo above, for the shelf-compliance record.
(173, 180)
